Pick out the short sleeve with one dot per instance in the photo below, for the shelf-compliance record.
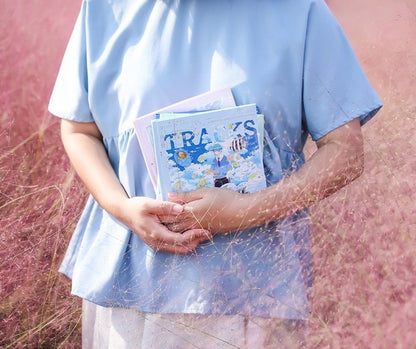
(69, 99)
(335, 88)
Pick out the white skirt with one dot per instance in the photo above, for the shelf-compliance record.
(118, 328)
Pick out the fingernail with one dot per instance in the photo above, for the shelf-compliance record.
(177, 208)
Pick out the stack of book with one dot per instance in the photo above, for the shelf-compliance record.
(204, 141)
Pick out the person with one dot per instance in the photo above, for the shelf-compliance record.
(220, 166)
(212, 267)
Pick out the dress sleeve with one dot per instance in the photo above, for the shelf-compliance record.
(69, 99)
(335, 88)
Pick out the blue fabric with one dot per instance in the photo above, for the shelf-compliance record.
(129, 57)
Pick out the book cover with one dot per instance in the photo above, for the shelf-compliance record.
(218, 148)
(212, 100)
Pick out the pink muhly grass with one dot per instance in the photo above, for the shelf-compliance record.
(40, 198)
(364, 241)
(363, 237)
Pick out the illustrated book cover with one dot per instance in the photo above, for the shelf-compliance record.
(217, 148)
(212, 100)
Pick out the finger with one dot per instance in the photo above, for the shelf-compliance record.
(168, 219)
(186, 196)
(173, 227)
(183, 236)
(157, 234)
(183, 225)
(161, 208)
(173, 246)
(185, 243)
(182, 250)
(197, 235)
(177, 228)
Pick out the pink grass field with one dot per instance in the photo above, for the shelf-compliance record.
(364, 241)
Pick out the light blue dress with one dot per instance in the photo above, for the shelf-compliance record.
(127, 58)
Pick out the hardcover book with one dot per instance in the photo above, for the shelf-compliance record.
(217, 148)
(217, 99)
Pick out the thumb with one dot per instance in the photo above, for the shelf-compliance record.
(167, 208)
(185, 197)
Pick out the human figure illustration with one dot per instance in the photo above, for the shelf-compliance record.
(220, 166)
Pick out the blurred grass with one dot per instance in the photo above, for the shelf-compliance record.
(40, 198)
(364, 244)
(364, 241)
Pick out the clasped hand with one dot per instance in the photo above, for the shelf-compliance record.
(213, 209)
(142, 214)
(190, 218)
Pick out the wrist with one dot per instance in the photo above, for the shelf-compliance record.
(263, 207)
(251, 210)
(116, 205)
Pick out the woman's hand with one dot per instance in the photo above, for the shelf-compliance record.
(141, 215)
(83, 143)
(213, 209)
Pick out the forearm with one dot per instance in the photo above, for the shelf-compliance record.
(338, 161)
(84, 146)
(88, 156)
